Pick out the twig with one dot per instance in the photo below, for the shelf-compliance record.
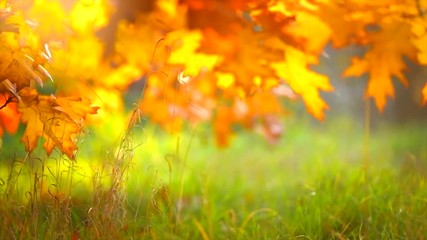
(9, 99)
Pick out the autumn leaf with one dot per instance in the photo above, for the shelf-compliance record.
(17, 68)
(49, 19)
(58, 121)
(303, 81)
(184, 45)
(201, 13)
(88, 17)
(306, 26)
(228, 62)
(137, 43)
(265, 103)
(78, 58)
(347, 21)
(419, 38)
(249, 61)
(9, 116)
(21, 61)
(5, 24)
(222, 125)
(384, 61)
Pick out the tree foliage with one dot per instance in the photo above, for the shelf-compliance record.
(231, 62)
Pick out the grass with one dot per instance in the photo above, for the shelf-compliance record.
(149, 185)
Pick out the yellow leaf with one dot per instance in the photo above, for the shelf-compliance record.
(57, 120)
(16, 66)
(6, 25)
(121, 77)
(110, 102)
(80, 58)
(137, 44)
(49, 18)
(225, 80)
(304, 81)
(311, 30)
(88, 17)
(184, 46)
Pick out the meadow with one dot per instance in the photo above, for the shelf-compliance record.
(330, 180)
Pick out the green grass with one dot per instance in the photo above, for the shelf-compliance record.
(314, 184)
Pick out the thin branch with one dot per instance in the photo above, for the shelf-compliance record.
(9, 99)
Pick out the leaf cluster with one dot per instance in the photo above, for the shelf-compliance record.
(229, 62)
(56, 119)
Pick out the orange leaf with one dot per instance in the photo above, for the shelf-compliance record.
(384, 61)
(222, 125)
(246, 57)
(57, 120)
(9, 118)
(419, 39)
(347, 21)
